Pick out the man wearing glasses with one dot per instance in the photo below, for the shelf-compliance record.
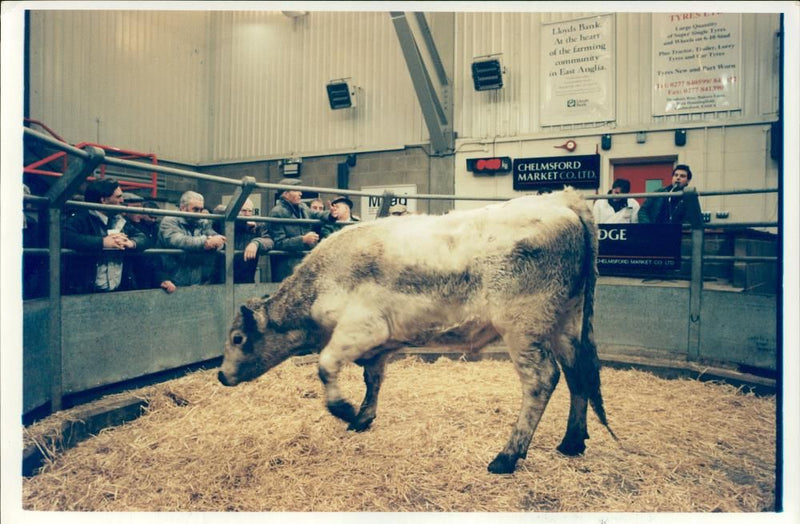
(196, 237)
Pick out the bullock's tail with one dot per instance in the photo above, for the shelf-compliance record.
(587, 361)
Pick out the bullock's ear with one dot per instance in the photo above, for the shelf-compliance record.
(249, 320)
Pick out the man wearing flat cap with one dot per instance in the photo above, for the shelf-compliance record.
(297, 238)
(341, 213)
(398, 210)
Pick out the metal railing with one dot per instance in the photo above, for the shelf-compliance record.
(35, 167)
(245, 186)
(84, 162)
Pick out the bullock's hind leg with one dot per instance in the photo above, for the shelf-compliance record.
(575, 370)
(373, 377)
(578, 358)
(538, 372)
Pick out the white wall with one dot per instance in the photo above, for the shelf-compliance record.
(221, 86)
(215, 86)
(130, 79)
(268, 79)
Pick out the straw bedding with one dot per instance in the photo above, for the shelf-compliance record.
(270, 445)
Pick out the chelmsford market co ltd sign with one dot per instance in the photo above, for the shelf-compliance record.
(553, 173)
(626, 248)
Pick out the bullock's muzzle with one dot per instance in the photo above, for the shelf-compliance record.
(222, 379)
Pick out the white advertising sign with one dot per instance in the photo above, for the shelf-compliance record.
(370, 206)
(696, 62)
(578, 71)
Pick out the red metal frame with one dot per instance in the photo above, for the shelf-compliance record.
(123, 154)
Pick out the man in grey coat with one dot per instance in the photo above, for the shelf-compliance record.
(196, 237)
(296, 238)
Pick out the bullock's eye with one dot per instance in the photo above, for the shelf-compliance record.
(237, 339)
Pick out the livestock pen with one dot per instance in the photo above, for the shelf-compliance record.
(686, 445)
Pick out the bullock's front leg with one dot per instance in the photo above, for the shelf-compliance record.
(539, 374)
(373, 377)
(350, 340)
(329, 367)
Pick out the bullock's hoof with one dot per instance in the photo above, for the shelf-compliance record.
(343, 410)
(503, 464)
(360, 425)
(571, 449)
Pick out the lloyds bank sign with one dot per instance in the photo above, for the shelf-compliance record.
(554, 173)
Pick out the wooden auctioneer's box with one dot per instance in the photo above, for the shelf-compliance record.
(639, 248)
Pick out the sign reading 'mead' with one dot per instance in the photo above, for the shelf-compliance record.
(581, 171)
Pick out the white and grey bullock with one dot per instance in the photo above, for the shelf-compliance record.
(523, 270)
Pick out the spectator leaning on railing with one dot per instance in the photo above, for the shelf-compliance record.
(251, 238)
(291, 237)
(341, 212)
(317, 205)
(196, 237)
(398, 210)
(105, 236)
(148, 271)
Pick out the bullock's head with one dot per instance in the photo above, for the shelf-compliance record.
(255, 345)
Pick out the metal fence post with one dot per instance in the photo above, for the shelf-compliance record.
(54, 309)
(231, 212)
(57, 195)
(695, 217)
(386, 203)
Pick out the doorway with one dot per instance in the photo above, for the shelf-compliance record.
(645, 177)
